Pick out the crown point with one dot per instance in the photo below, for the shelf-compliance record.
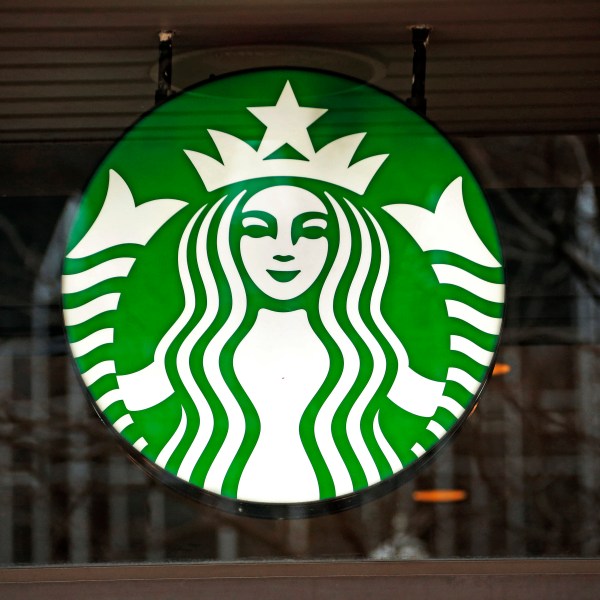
(287, 123)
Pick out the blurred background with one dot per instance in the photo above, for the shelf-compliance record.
(516, 85)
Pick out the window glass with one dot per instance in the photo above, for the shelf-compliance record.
(522, 472)
(514, 86)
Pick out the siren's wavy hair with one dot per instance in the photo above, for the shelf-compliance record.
(340, 427)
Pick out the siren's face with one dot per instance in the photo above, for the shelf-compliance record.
(283, 244)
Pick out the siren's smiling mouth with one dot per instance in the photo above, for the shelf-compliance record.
(282, 276)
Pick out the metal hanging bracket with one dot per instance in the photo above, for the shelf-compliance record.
(165, 66)
(420, 38)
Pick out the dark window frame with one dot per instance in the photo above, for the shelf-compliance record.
(511, 578)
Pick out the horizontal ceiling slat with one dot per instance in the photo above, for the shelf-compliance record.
(75, 40)
(75, 89)
(444, 114)
(159, 5)
(436, 70)
(506, 66)
(511, 113)
(515, 68)
(477, 82)
(64, 106)
(66, 73)
(76, 56)
(82, 135)
(110, 15)
(564, 99)
(466, 84)
(61, 123)
(447, 49)
(470, 127)
(335, 32)
(464, 127)
(438, 50)
(508, 27)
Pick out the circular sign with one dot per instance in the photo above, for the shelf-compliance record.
(283, 288)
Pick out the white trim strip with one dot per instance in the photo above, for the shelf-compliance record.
(171, 445)
(235, 417)
(355, 436)
(418, 450)
(189, 297)
(351, 361)
(97, 371)
(470, 349)
(463, 378)
(388, 451)
(140, 444)
(451, 405)
(92, 341)
(123, 422)
(93, 308)
(115, 267)
(436, 429)
(109, 398)
(466, 313)
(205, 430)
(494, 292)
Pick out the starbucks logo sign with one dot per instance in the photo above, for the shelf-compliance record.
(283, 288)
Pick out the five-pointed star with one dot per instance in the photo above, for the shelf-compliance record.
(287, 123)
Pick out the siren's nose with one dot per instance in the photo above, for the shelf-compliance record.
(283, 257)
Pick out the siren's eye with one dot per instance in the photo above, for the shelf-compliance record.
(257, 223)
(311, 225)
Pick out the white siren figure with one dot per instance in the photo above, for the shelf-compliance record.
(283, 360)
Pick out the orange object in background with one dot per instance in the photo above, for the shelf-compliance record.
(501, 369)
(439, 495)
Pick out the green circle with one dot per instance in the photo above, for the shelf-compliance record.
(178, 326)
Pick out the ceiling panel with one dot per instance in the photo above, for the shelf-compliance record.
(82, 70)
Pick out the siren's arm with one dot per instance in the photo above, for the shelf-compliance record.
(449, 228)
(119, 223)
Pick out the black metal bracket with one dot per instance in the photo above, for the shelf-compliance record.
(420, 38)
(165, 66)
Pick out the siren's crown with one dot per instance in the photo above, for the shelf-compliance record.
(287, 123)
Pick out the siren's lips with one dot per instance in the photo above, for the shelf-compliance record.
(282, 276)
